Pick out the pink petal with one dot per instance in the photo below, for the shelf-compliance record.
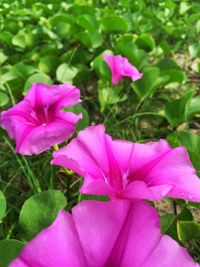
(129, 170)
(37, 122)
(88, 150)
(18, 263)
(121, 67)
(59, 96)
(166, 166)
(20, 114)
(56, 246)
(98, 187)
(139, 190)
(43, 137)
(127, 232)
(169, 253)
(104, 234)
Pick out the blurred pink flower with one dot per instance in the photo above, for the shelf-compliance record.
(121, 67)
(104, 234)
(37, 122)
(122, 169)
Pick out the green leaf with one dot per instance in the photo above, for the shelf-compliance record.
(36, 78)
(23, 39)
(165, 221)
(23, 71)
(114, 23)
(146, 86)
(188, 230)
(4, 99)
(108, 96)
(171, 229)
(184, 7)
(9, 250)
(101, 67)
(19, 40)
(6, 37)
(146, 41)
(49, 64)
(127, 47)
(174, 76)
(176, 110)
(189, 140)
(167, 64)
(8, 76)
(2, 205)
(91, 39)
(39, 211)
(164, 45)
(66, 73)
(88, 22)
(194, 50)
(3, 57)
(84, 122)
(62, 23)
(194, 107)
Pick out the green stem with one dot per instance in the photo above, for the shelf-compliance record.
(10, 94)
(135, 116)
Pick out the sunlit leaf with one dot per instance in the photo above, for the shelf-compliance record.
(188, 230)
(39, 211)
(66, 73)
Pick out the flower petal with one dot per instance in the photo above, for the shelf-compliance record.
(58, 96)
(13, 119)
(163, 165)
(56, 246)
(127, 232)
(129, 170)
(139, 190)
(104, 234)
(87, 150)
(121, 67)
(37, 122)
(169, 253)
(42, 137)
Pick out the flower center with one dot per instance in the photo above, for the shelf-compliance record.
(42, 115)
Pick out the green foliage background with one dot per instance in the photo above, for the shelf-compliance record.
(63, 41)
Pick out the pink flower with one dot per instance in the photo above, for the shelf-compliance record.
(104, 234)
(37, 122)
(122, 169)
(121, 67)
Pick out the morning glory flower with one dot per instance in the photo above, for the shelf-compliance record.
(38, 122)
(121, 67)
(122, 169)
(118, 233)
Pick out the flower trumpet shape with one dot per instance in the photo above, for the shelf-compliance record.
(121, 67)
(118, 233)
(122, 169)
(37, 122)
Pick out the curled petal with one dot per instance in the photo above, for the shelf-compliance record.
(121, 67)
